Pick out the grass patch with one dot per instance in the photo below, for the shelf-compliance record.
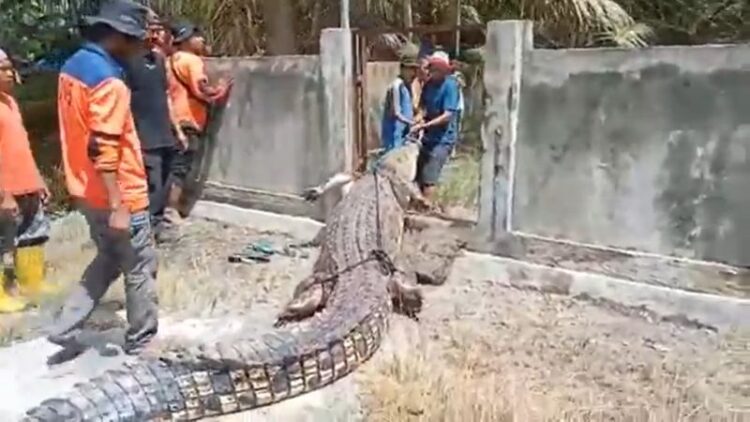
(460, 184)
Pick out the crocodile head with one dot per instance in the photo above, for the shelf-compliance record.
(400, 166)
(402, 161)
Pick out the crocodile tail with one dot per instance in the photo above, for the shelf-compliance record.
(221, 379)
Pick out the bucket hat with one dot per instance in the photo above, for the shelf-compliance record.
(126, 17)
(182, 31)
(407, 56)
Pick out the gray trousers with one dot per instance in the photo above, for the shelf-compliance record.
(132, 255)
(30, 228)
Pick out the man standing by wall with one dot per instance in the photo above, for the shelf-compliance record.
(191, 97)
(398, 113)
(157, 130)
(105, 174)
(440, 102)
(24, 228)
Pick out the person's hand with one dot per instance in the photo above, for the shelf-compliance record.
(182, 139)
(416, 128)
(119, 220)
(223, 91)
(45, 195)
(8, 205)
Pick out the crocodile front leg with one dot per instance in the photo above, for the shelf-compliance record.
(310, 295)
(406, 295)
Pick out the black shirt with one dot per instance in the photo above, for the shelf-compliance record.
(147, 79)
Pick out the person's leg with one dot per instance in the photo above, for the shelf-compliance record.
(140, 267)
(152, 160)
(8, 230)
(33, 233)
(399, 136)
(432, 168)
(422, 159)
(181, 166)
(97, 278)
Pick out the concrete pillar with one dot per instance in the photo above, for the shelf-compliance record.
(507, 41)
(337, 66)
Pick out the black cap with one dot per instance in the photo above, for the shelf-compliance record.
(182, 31)
(125, 17)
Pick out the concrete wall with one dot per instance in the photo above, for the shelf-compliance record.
(645, 149)
(288, 125)
(275, 120)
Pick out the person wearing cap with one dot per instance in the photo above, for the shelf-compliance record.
(157, 126)
(105, 175)
(159, 35)
(440, 103)
(191, 96)
(24, 228)
(398, 113)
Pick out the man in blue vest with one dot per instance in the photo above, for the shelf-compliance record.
(440, 104)
(398, 113)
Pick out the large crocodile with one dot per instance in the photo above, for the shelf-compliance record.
(334, 323)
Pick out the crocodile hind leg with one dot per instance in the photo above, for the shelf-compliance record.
(406, 296)
(310, 295)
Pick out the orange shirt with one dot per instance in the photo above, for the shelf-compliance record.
(97, 131)
(188, 72)
(19, 174)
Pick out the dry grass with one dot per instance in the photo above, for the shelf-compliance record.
(460, 383)
(194, 279)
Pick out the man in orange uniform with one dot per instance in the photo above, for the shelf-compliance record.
(191, 96)
(105, 174)
(24, 228)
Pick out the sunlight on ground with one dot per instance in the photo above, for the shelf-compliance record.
(468, 382)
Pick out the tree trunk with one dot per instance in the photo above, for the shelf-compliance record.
(450, 17)
(279, 19)
(407, 17)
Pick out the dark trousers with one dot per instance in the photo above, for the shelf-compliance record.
(129, 254)
(184, 160)
(158, 162)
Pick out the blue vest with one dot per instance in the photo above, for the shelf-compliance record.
(392, 130)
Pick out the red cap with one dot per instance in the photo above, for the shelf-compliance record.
(440, 60)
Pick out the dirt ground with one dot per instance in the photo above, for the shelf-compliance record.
(480, 352)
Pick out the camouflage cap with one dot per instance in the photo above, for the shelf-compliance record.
(408, 54)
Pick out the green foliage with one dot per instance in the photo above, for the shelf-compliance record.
(32, 28)
(39, 108)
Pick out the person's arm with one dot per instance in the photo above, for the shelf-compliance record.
(109, 111)
(195, 73)
(8, 203)
(170, 105)
(449, 104)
